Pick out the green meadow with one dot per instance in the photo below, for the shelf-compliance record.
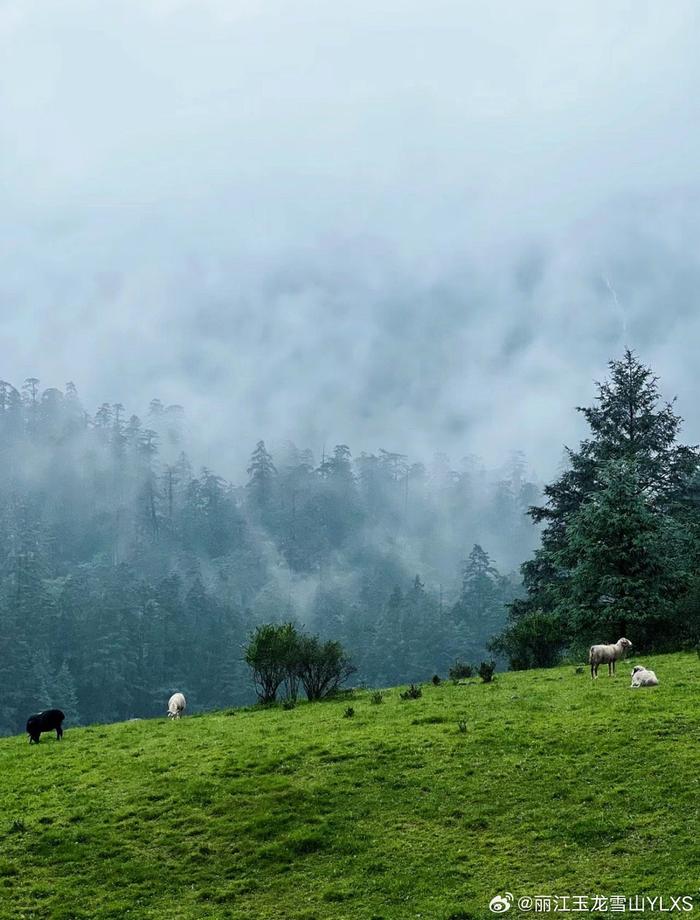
(542, 782)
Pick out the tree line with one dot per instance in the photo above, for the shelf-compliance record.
(126, 574)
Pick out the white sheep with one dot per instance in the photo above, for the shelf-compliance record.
(176, 705)
(607, 654)
(641, 677)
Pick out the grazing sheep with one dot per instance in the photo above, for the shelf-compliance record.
(47, 721)
(607, 654)
(641, 677)
(176, 705)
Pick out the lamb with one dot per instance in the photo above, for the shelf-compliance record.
(607, 654)
(47, 721)
(641, 677)
(176, 705)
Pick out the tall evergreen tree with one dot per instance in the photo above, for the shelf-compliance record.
(483, 596)
(262, 474)
(626, 564)
(630, 472)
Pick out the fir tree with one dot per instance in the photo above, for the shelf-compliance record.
(631, 472)
(262, 473)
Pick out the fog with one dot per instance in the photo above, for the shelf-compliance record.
(418, 227)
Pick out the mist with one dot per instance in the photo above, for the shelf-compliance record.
(387, 226)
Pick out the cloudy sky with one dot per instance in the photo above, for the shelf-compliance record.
(394, 224)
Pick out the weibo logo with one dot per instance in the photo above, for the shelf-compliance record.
(501, 903)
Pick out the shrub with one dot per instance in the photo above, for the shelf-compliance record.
(271, 654)
(460, 670)
(413, 693)
(535, 640)
(280, 654)
(462, 726)
(288, 704)
(486, 669)
(436, 680)
(349, 713)
(322, 667)
(377, 697)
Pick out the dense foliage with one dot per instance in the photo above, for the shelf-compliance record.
(621, 541)
(281, 654)
(125, 574)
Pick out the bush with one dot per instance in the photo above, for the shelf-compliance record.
(322, 667)
(280, 654)
(377, 697)
(436, 680)
(534, 640)
(460, 670)
(462, 726)
(413, 693)
(271, 653)
(349, 713)
(288, 704)
(486, 669)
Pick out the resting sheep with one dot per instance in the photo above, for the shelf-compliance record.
(176, 705)
(641, 677)
(47, 721)
(607, 654)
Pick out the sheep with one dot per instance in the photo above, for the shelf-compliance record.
(47, 721)
(607, 654)
(176, 705)
(641, 677)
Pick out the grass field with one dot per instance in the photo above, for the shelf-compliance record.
(558, 786)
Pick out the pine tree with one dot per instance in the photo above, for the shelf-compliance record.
(624, 563)
(262, 473)
(631, 464)
(628, 422)
(481, 603)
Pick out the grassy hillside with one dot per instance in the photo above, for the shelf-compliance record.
(557, 786)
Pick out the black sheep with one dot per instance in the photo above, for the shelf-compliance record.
(45, 721)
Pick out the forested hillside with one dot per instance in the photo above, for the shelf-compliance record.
(126, 573)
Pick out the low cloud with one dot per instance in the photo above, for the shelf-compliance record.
(381, 225)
